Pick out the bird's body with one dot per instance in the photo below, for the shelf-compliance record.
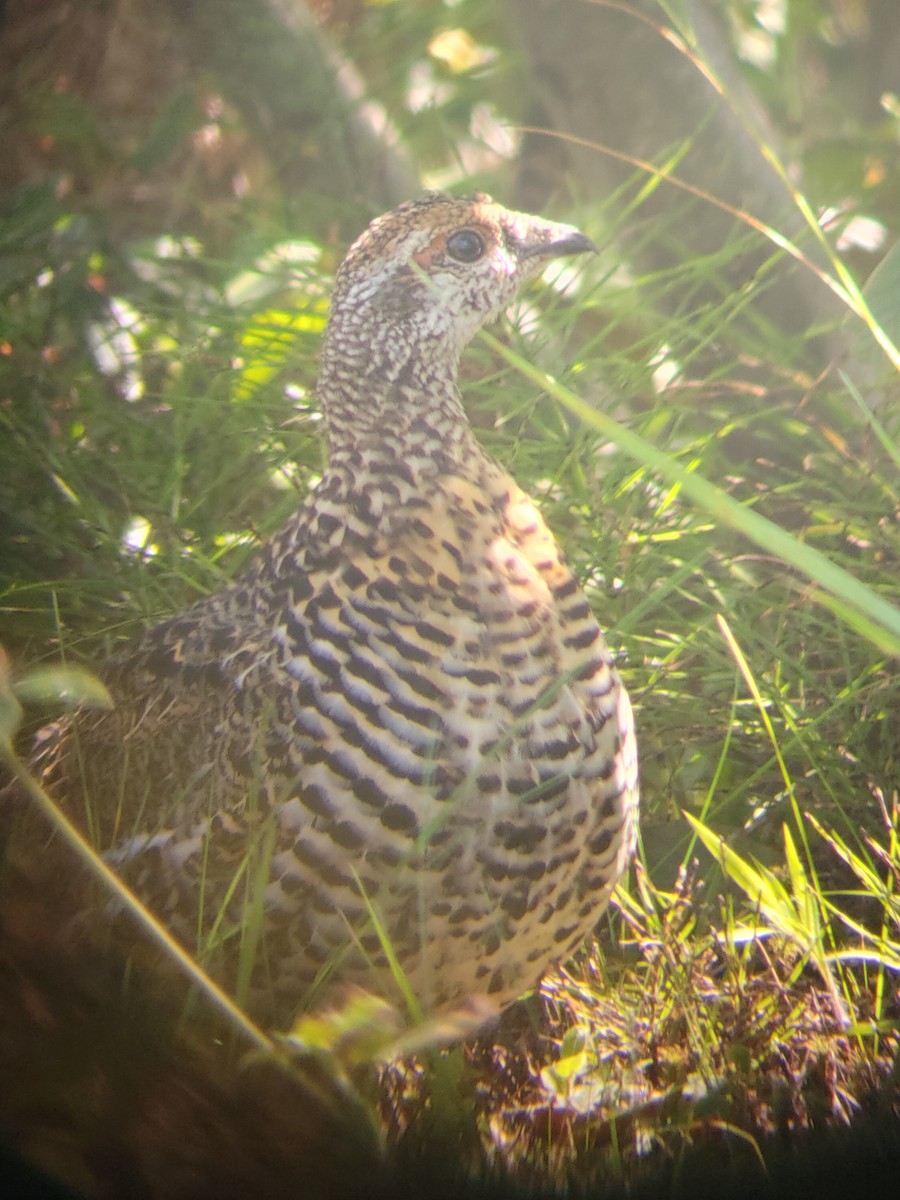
(404, 715)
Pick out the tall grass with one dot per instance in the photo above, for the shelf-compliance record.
(733, 519)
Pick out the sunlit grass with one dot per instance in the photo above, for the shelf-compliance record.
(734, 525)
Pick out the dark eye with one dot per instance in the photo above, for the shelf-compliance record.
(465, 245)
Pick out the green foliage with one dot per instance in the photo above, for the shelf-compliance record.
(120, 362)
(731, 515)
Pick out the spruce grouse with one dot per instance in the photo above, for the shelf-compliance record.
(405, 707)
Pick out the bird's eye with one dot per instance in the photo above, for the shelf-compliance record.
(465, 245)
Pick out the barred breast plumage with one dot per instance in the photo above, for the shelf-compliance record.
(406, 707)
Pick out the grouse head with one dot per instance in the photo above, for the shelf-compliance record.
(440, 267)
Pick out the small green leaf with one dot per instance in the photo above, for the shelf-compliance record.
(71, 687)
(356, 1033)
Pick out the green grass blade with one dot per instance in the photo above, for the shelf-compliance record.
(843, 586)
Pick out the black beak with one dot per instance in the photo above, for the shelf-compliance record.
(572, 243)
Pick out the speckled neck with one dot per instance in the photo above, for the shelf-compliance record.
(391, 402)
